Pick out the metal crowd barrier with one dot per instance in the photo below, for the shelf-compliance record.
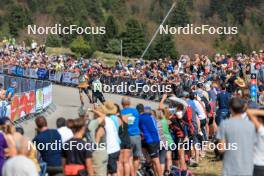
(31, 96)
(71, 79)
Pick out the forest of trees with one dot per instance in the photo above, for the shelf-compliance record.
(122, 23)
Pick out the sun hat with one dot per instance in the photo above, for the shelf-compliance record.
(108, 108)
(207, 87)
(240, 82)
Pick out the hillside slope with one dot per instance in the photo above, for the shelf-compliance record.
(141, 17)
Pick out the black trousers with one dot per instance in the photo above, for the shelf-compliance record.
(258, 171)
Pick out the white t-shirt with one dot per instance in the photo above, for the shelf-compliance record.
(259, 148)
(112, 138)
(19, 165)
(97, 86)
(65, 133)
(201, 111)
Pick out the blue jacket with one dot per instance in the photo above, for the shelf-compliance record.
(148, 127)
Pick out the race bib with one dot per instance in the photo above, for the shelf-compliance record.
(82, 79)
(130, 119)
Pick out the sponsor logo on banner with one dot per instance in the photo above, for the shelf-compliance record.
(66, 77)
(39, 100)
(27, 72)
(42, 73)
(33, 73)
(55, 76)
(22, 105)
(19, 71)
(12, 70)
(31, 102)
(47, 96)
(52, 75)
(75, 78)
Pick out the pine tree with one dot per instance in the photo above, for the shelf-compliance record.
(239, 47)
(219, 8)
(111, 28)
(180, 15)
(165, 47)
(237, 8)
(81, 47)
(94, 9)
(18, 18)
(113, 46)
(133, 39)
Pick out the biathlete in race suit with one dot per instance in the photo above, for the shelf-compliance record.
(97, 89)
(83, 86)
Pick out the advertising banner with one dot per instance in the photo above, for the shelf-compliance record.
(27, 72)
(39, 100)
(75, 80)
(12, 70)
(31, 104)
(58, 76)
(33, 73)
(19, 71)
(23, 105)
(47, 96)
(14, 108)
(42, 73)
(34, 95)
(52, 75)
(66, 77)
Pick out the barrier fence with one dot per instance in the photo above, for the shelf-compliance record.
(31, 97)
(71, 79)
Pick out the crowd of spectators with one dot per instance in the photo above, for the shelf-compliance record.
(210, 102)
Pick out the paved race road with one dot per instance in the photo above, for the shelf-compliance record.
(66, 100)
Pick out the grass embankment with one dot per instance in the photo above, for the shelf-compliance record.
(208, 166)
(107, 58)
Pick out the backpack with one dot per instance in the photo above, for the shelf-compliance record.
(188, 119)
